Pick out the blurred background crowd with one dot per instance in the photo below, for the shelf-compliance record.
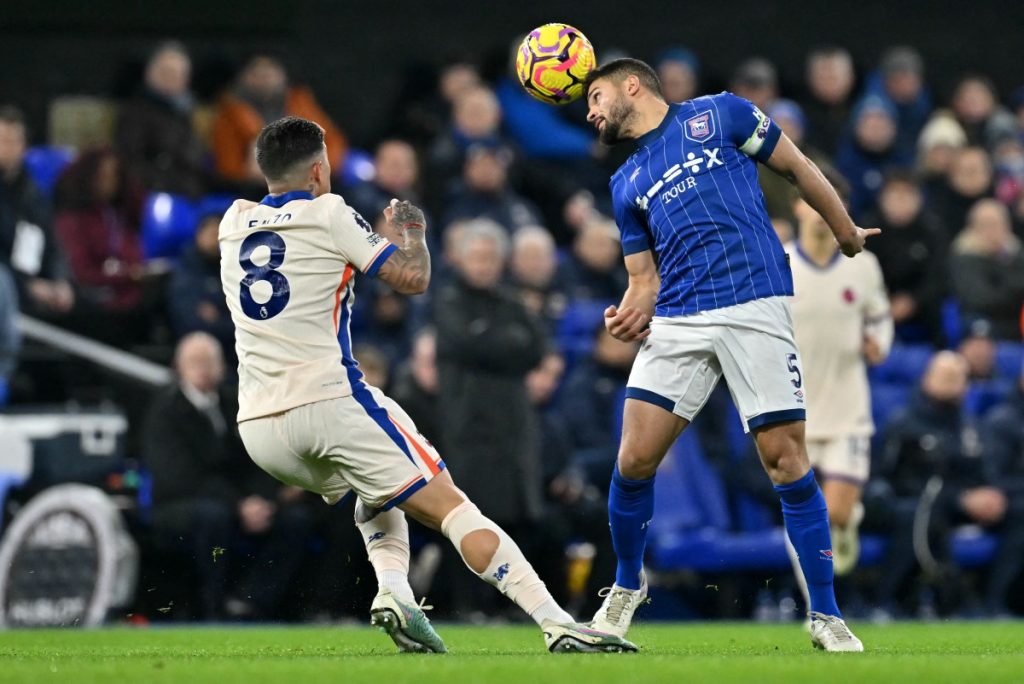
(108, 229)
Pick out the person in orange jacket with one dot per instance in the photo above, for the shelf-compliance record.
(262, 94)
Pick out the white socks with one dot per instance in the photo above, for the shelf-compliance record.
(508, 569)
(387, 544)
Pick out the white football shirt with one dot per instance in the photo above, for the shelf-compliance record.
(834, 307)
(286, 269)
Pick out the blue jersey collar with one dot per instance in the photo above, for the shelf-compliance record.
(814, 264)
(650, 136)
(278, 201)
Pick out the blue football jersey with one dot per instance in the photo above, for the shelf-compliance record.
(690, 195)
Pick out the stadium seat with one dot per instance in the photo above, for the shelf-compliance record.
(168, 225)
(952, 325)
(45, 164)
(575, 334)
(905, 365)
(886, 400)
(1009, 360)
(356, 168)
(982, 396)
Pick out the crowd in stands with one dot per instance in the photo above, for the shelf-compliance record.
(504, 363)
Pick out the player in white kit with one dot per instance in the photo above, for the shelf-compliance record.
(306, 415)
(842, 324)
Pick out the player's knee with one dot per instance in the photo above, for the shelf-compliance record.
(635, 465)
(478, 548)
(785, 465)
(839, 516)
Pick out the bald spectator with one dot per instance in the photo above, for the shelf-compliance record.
(830, 79)
(208, 495)
(988, 264)
(534, 270)
(262, 94)
(155, 137)
(932, 461)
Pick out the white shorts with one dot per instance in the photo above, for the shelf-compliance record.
(847, 459)
(364, 443)
(751, 344)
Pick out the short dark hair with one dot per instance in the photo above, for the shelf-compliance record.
(286, 142)
(9, 114)
(618, 69)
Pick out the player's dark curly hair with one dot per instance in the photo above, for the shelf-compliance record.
(618, 69)
(286, 142)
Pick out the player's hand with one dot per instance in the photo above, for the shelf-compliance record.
(627, 324)
(872, 351)
(853, 245)
(403, 215)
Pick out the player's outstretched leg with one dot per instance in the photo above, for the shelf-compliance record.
(647, 433)
(781, 446)
(490, 553)
(394, 609)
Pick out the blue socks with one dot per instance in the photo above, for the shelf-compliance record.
(630, 509)
(806, 517)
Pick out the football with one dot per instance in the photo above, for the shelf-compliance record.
(553, 61)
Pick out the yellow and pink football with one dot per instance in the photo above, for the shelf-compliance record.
(553, 61)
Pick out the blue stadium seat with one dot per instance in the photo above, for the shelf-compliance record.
(168, 225)
(45, 164)
(984, 395)
(576, 329)
(886, 399)
(1009, 360)
(356, 168)
(905, 365)
(952, 325)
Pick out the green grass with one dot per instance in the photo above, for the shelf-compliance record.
(976, 653)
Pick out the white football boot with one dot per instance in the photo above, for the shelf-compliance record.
(830, 633)
(616, 613)
(572, 637)
(405, 623)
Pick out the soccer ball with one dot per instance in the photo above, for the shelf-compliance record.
(552, 62)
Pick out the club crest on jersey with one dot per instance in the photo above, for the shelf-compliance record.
(502, 571)
(699, 128)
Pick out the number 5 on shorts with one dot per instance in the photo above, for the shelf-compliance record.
(793, 368)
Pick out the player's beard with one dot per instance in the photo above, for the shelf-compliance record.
(619, 114)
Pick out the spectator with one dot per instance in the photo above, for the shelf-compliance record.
(396, 175)
(386, 320)
(679, 72)
(415, 386)
(969, 180)
(263, 94)
(98, 224)
(207, 494)
(10, 338)
(592, 404)
(374, 364)
(830, 80)
(976, 107)
(487, 343)
(476, 119)
(941, 140)
(534, 270)
(868, 151)
(485, 191)
(779, 193)
(932, 463)
(900, 81)
(988, 264)
(979, 351)
(912, 255)
(596, 270)
(27, 245)
(1003, 438)
(195, 298)
(756, 80)
(155, 137)
(423, 105)
(1008, 160)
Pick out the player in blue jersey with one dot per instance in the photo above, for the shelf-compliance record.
(708, 282)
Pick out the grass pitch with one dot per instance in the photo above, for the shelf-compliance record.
(970, 652)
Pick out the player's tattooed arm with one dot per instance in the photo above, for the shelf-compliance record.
(407, 270)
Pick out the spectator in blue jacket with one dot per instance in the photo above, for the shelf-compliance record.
(679, 72)
(900, 81)
(868, 151)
